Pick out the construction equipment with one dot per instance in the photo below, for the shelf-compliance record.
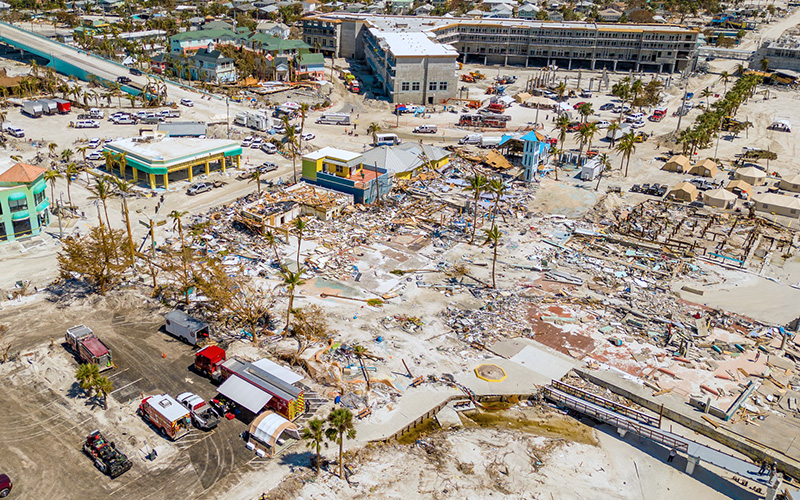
(480, 120)
(107, 458)
(471, 103)
(729, 123)
(467, 78)
(477, 75)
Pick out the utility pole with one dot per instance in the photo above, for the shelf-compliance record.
(682, 109)
(228, 111)
(60, 205)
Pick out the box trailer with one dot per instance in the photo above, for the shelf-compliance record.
(49, 106)
(32, 109)
(171, 418)
(64, 106)
(185, 327)
(82, 341)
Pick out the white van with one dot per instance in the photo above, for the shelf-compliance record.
(426, 129)
(471, 139)
(634, 117)
(87, 124)
(387, 140)
(14, 131)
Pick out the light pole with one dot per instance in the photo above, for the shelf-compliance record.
(228, 114)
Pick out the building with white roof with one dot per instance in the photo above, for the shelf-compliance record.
(410, 67)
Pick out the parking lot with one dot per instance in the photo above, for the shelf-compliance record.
(51, 417)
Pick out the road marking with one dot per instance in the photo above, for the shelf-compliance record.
(126, 385)
(117, 373)
(184, 448)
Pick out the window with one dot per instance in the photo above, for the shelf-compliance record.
(3, 236)
(22, 227)
(18, 205)
(442, 85)
(404, 86)
(431, 86)
(415, 86)
(38, 197)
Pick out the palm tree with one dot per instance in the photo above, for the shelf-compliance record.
(292, 281)
(66, 154)
(83, 150)
(314, 433)
(562, 125)
(52, 147)
(86, 375)
(586, 134)
(102, 190)
(340, 426)
(304, 107)
(290, 141)
(2, 121)
(561, 89)
(51, 176)
(764, 64)
(493, 237)
(498, 189)
(272, 241)
(585, 110)
(374, 129)
(605, 162)
(626, 147)
(725, 77)
(132, 99)
(476, 184)
(124, 189)
(255, 176)
(612, 129)
(103, 387)
(71, 170)
(706, 94)
(299, 226)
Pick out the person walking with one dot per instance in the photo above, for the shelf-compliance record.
(763, 468)
(672, 454)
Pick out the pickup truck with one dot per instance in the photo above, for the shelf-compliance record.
(203, 416)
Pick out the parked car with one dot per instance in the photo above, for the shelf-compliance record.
(94, 156)
(123, 120)
(257, 143)
(607, 106)
(94, 142)
(203, 416)
(308, 136)
(603, 124)
(638, 124)
(123, 79)
(5, 485)
(187, 102)
(269, 148)
(135, 72)
(198, 188)
(578, 104)
(247, 141)
(268, 166)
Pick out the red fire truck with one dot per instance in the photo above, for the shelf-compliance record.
(82, 341)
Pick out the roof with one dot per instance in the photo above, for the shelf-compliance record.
(21, 173)
(433, 153)
(751, 172)
(739, 183)
(792, 179)
(311, 59)
(533, 136)
(707, 163)
(685, 186)
(680, 160)
(409, 44)
(210, 34)
(778, 200)
(394, 161)
(279, 371)
(167, 407)
(719, 194)
(95, 347)
(329, 152)
(183, 129)
(213, 352)
(213, 56)
(262, 379)
(268, 426)
(185, 320)
(244, 393)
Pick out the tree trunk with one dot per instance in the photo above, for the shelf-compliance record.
(474, 219)
(494, 261)
(299, 242)
(627, 164)
(253, 326)
(130, 234)
(599, 178)
(319, 458)
(341, 445)
(289, 311)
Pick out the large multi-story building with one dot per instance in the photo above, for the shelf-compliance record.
(620, 47)
(23, 200)
(410, 67)
(783, 53)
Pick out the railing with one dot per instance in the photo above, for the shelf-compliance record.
(605, 403)
(617, 420)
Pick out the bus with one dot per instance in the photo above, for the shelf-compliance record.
(387, 140)
(334, 119)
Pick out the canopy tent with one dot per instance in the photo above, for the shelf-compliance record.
(705, 168)
(751, 175)
(720, 198)
(781, 125)
(684, 191)
(739, 185)
(244, 393)
(269, 431)
(677, 163)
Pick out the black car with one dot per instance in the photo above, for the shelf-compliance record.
(123, 79)
(135, 72)
(606, 106)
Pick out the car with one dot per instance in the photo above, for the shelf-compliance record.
(268, 167)
(94, 142)
(94, 156)
(187, 102)
(269, 148)
(257, 143)
(607, 106)
(578, 104)
(123, 79)
(5, 485)
(124, 120)
(586, 94)
(247, 141)
(135, 72)
(603, 124)
(697, 204)
(638, 124)
(204, 417)
(198, 188)
(280, 129)
(107, 458)
(308, 136)
(689, 95)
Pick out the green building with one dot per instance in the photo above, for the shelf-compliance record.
(23, 200)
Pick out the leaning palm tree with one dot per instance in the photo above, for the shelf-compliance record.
(102, 190)
(83, 150)
(103, 387)
(66, 154)
(272, 241)
(626, 147)
(374, 129)
(725, 77)
(586, 134)
(476, 184)
(493, 237)
(605, 162)
(498, 189)
(70, 170)
(340, 426)
(314, 434)
(292, 281)
(562, 125)
(299, 227)
(290, 142)
(86, 375)
(612, 132)
(52, 147)
(124, 190)
(255, 176)
(51, 176)
(303, 110)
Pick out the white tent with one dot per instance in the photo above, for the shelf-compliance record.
(781, 125)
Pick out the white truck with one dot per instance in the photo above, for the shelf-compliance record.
(334, 119)
(490, 142)
(185, 327)
(474, 139)
(32, 108)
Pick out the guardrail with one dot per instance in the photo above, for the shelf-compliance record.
(606, 403)
(615, 419)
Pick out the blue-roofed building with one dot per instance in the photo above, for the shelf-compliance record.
(535, 152)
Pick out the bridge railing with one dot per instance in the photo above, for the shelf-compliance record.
(606, 403)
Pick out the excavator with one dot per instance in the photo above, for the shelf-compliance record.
(467, 78)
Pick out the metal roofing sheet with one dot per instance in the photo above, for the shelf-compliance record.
(244, 393)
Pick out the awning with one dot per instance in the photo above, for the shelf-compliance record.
(38, 189)
(20, 215)
(20, 195)
(244, 393)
